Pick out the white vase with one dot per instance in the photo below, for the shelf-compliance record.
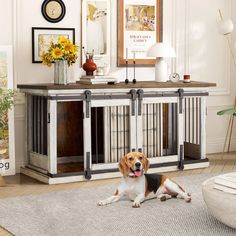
(60, 72)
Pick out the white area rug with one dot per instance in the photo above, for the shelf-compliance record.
(75, 213)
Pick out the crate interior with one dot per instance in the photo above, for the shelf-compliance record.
(159, 122)
(109, 133)
(70, 147)
(192, 127)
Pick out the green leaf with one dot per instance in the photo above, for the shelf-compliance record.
(230, 111)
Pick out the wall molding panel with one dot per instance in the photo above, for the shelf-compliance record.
(201, 51)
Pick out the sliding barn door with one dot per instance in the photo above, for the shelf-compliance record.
(157, 128)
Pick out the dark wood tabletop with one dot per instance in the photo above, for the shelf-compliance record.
(122, 85)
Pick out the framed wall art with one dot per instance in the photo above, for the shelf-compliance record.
(7, 136)
(53, 10)
(139, 27)
(41, 38)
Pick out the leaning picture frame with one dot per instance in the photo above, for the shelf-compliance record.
(41, 38)
(7, 136)
(96, 32)
(139, 27)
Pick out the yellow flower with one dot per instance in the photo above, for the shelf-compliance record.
(62, 40)
(64, 49)
(47, 59)
(57, 53)
(69, 47)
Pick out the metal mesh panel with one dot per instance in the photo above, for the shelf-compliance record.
(192, 114)
(116, 134)
(159, 129)
(38, 133)
(192, 127)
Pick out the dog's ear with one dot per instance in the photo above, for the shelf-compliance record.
(124, 169)
(146, 164)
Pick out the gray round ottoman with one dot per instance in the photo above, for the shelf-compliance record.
(220, 204)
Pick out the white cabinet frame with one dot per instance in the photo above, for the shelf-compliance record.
(44, 166)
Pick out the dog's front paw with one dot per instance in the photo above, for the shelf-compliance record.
(136, 204)
(102, 203)
(188, 198)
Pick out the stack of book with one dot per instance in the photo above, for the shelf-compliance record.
(226, 182)
(97, 79)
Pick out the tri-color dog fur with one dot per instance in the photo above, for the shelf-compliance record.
(137, 185)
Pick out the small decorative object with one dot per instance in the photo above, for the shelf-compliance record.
(226, 27)
(134, 80)
(97, 79)
(60, 72)
(89, 66)
(126, 67)
(161, 51)
(63, 54)
(174, 77)
(187, 79)
(53, 10)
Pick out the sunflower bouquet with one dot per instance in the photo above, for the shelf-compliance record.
(64, 49)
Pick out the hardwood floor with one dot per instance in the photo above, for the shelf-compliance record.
(20, 185)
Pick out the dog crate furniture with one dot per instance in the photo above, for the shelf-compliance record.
(77, 131)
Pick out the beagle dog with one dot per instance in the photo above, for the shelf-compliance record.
(137, 185)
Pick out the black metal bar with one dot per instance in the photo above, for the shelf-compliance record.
(147, 128)
(185, 119)
(181, 96)
(124, 96)
(87, 94)
(181, 157)
(196, 94)
(193, 124)
(57, 97)
(110, 97)
(197, 120)
(189, 118)
(124, 119)
(140, 93)
(96, 133)
(110, 132)
(38, 125)
(154, 130)
(41, 124)
(117, 133)
(34, 124)
(87, 173)
(133, 98)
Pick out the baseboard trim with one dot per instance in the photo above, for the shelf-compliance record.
(108, 175)
(216, 145)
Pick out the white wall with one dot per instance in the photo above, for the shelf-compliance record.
(189, 25)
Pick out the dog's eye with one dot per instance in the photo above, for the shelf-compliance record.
(140, 158)
(131, 159)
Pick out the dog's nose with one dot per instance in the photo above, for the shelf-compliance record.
(137, 164)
